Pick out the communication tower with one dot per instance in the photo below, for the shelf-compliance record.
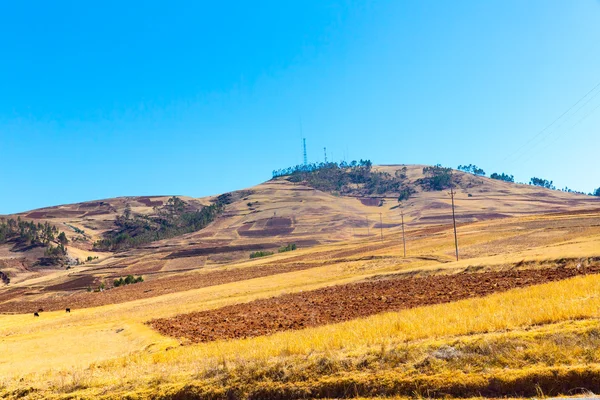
(304, 149)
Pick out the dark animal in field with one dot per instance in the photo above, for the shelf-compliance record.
(68, 310)
(36, 314)
(40, 310)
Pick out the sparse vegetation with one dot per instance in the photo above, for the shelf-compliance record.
(175, 218)
(129, 280)
(472, 169)
(596, 192)
(436, 178)
(503, 177)
(261, 253)
(27, 234)
(289, 247)
(405, 194)
(542, 183)
(76, 229)
(356, 178)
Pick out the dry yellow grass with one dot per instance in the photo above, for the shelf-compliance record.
(509, 312)
(108, 351)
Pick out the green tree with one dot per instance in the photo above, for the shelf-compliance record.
(473, 169)
(502, 177)
(596, 192)
(541, 183)
(62, 238)
(436, 178)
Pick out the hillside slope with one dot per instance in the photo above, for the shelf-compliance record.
(266, 217)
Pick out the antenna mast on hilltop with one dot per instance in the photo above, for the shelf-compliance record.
(304, 149)
(325, 151)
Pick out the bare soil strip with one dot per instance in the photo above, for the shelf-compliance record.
(346, 302)
(153, 288)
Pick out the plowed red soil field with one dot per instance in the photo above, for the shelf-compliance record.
(346, 302)
(158, 287)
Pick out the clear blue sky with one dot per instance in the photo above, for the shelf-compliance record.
(112, 98)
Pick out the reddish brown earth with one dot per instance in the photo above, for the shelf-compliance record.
(371, 202)
(148, 202)
(142, 290)
(346, 302)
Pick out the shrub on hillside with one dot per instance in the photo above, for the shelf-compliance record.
(129, 279)
(289, 247)
(261, 253)
(405, 194)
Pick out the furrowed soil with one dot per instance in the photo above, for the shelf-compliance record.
(346, 302)
(147, 289)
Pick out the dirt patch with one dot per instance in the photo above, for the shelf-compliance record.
(385, 225)
(247, 231)
(75, 284)
(370, 202)
(279, 222)
(437, 205)
(64, 214)
(96, 212)
(203, 251)
(94, 204)
(148, 202)
(36, 215)
(346, 302)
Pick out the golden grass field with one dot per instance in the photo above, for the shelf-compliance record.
(532, 341)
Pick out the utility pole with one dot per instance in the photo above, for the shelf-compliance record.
(368, 230)
(381, 225)
(454, 222)
(403, 238)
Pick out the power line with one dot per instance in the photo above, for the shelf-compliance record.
(549, 134)
(524, 145)
(571, 128)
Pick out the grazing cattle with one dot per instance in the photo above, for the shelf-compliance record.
(36, 314)
(40, 309)
(68, 310)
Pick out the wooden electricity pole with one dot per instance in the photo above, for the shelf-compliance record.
(454, 222)
(403, 238)
(381, 225)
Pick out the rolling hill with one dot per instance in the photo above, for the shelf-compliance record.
(344, 315)
(265, 217)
